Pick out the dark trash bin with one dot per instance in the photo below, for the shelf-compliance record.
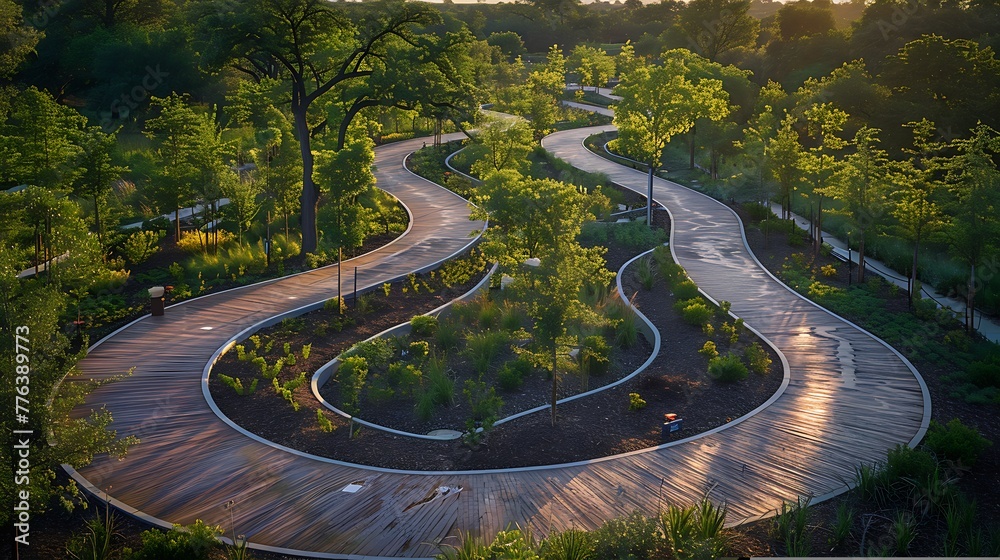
(156, 300)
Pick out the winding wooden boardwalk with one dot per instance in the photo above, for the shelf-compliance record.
(848, 400)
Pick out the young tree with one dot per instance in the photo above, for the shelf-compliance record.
(975, 183)
(785, 156)
(509, 141)
(243, 200)
(43, 137)
(862, 184)
(755, 153)
(657, 104)
(819, 163)
(175, 129)
(917, 186)
(346, 174)
(98, 173)
(594, 65)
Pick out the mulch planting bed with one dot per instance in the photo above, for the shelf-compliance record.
(588, 428)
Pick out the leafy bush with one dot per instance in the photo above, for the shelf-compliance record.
(195, 542)
(141, 245)
(636, 235)
(511, 317)
(758, 358)
(325, 424)
(419, 348)
(635, 402)
(351, 376)
(984, 373)
(672, 273)
(334, 304)
(376, 352)
(511, 375)
(727, 368)
(709, 350)
(905, 463)
(685, 289)
(634, 536)
(237, 385)
(424, 325)
(956, 441)
(696, 312)
(404, 376)
(484, 403)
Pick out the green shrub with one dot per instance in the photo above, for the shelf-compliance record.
(195, 542)
(325, 424)
(306, 350)
(709, 350)
(956, 442)
(727, 368)
(905, 463)
(626, 329)
(351, 376)
(404, 376)
(672, 273)
(511, 317)
(686, 289)
(440, 387)
(237, 385)
(697, 313)
(141, 245)
(635, 402)
(634, 536)
(984, 373)
(484, 403)
(424, 325)
(419, 348)
(758, 358)
(377, 352)
(511, 375)
(489, 314)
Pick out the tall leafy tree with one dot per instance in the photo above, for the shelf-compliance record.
(974, 181)
(179, 132)
(508, 141)
(914, 205)
(785, 156)
(345, 174)
(372, 56)
(824, 123)
(43, 136)
(98, 172)
(862, 184)
(659, 103)
(715, 27)
(593, 64)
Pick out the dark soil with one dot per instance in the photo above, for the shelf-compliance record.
(596, 426)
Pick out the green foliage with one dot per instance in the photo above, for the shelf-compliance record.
(351, 377)
(694, 531)
(405, 377)
(635, 402)
(695, 311)
(686, 289)
(424, 325)
(956, 442)
(512, 317)
(626, 329)
(595, 355)
(237, 385)
(325, 424)
(984, 373)
(728, 368)
(907, 463)
(709, 350)
(841, 529)
(791, 528)
(334, 304)
(97, 542)
(634, 536)
(511, 375)
(286, 389)
(419, 348)
(195, 542)
(447, 336)
(904, 531)
(377, 352)
(484, 403)
(484, 347)
(758, 358)
(141, 245)
(573, 544)
(634, 236)
(644, 272)
(306, 350)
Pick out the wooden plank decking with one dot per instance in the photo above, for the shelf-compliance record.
(849, 399)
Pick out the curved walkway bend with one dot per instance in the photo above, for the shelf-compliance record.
(849, 399)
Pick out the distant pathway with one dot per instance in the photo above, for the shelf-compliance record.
(849, 399)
